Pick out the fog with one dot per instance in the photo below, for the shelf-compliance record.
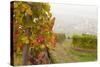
(74, 18)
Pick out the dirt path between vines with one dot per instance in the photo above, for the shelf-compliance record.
(60, 54)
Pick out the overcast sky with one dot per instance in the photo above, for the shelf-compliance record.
(81, 10)
(74, 18)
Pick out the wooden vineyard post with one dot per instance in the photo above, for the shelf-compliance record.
(25, 54)
(25, 51)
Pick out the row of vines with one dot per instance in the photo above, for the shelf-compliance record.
(87, 41)
(32, 32)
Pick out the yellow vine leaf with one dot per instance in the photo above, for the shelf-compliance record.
(29, 12)
(25, 40)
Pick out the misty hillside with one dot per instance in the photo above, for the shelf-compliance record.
(75, 24)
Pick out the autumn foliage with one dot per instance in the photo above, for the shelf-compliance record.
(32, 26)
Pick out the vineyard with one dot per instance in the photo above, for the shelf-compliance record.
(32, 32)
(85, 41)
(34, 41)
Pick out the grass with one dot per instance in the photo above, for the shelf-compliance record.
(81, 56)
(84, 56)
